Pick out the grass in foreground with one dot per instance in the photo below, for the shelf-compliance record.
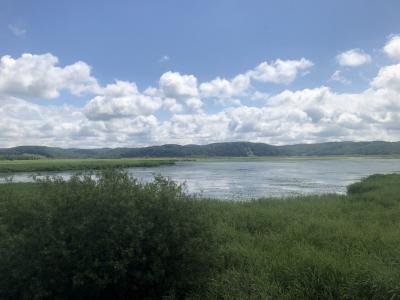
(83, 239)
(316, 247)
(43, 165)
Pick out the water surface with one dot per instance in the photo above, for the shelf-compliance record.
(260, 178)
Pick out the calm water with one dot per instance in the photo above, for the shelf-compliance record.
(253, 179)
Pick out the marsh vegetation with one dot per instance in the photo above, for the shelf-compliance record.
(44, 165)
(115, 237)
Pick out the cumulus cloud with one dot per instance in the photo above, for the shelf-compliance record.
(175, 85)
(195, 128)
(257, 95)
(353, 58)
(310, 115)
(121, 100)
(392, 47)
(337, 76)
(182, 88)
(388, 77)
(223, 88)
(23, 123)
(172, 105)
(280, 71)
(194, 104)
(26, 123)
(119, 114)
(291, 116)
(38, 76)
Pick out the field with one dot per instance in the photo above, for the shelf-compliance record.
(314, 247)
(42, 165)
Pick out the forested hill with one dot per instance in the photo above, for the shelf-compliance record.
(236, 149)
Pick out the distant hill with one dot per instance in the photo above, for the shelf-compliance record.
(51, 152)
(238, 149)
(343, 148)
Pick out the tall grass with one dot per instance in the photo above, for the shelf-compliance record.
(44, 165)
(311, 247)
(314, 247)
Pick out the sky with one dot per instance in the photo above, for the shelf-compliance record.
(136, 73)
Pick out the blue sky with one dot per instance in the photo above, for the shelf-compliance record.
(139, 41)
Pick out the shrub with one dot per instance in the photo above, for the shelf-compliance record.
(109, 238)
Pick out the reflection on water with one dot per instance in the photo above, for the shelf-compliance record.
(254, 179)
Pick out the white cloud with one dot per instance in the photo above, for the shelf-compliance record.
(172, 105)
(388, 77)
(223, 88)
(25, 123)
(175, 85)
(392, 47)
(120, 115)
(121, 100)
(182, 88)
(280, 71)
(194, 128)
(227, 92)
(38, 76)
(337, 76)
(17, 31)
(228, 101)
(307, 115)
(257, 95)
(353, 58)
(194, 104)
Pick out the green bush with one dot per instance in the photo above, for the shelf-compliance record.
(376, 184)
(117, 239)
(111, 238)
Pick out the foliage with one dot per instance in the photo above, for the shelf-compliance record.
(113, 238)
(44, 165)
(309, 247)
(229, 149)
(23, 156)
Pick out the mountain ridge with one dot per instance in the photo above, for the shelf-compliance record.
(223, 149)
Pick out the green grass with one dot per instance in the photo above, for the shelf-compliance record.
(43, 165)
(310, 247)
(314, 247)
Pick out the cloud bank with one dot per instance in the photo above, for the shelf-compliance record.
(181, 109)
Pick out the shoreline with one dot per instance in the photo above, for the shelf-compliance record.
(71, 164)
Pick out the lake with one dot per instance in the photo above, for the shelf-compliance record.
(246, 179)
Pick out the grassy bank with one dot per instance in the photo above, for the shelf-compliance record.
(314, 247)
(42, 165)
(274, 158)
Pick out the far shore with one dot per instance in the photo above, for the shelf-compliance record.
(71, 164)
